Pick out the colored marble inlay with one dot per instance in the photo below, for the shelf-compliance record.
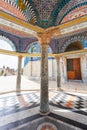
(47, 126)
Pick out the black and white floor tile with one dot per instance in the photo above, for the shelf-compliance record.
(19, 109)
(69, 101)
(19, 102)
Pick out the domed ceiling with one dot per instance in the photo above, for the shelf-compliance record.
(45, 13)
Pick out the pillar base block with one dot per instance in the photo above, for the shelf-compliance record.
(44, 114)
(59, 89)
(18, 91)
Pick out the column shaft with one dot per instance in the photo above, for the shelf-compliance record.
(18, 84)
(58, 73)
(44, 101)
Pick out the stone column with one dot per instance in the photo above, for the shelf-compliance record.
(44, 101)
(18, 83)
(31, 67)
(58, 73)
(52, 69)
(44, 98)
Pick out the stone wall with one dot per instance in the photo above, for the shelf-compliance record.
(32, 69)
(84, 68)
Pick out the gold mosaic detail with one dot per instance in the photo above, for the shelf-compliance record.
(21, 5)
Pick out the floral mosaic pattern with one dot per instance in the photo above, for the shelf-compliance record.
(45, 13)
(78, 12)
(70, 5)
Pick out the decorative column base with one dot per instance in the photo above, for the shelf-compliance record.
(59, 89)
(45, 114)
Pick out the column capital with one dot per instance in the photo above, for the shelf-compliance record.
(44, 38)
(57, 57)
(20, 56)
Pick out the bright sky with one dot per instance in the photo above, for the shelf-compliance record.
(6, 60)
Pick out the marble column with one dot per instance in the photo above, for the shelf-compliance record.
(18, 83)
(58, 73)
(44, 100)
(44, 40)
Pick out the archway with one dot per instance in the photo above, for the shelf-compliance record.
(8, 66)
(6, 44)
(73, 64)
(74, 46)
(9, 42)
(32, 64)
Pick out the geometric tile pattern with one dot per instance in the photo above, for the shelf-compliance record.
(20, 109)
(16, 103)
(69, 101)
(20, 102)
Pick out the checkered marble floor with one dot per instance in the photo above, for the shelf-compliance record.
(19, 109)
(69, 101)
(18, 102)
(70, 108)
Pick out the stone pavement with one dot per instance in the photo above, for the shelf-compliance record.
(8, 84)
(75, 86)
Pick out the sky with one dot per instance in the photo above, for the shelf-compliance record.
(6, 60)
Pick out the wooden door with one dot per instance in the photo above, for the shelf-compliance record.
(77, 68)
(74, 69)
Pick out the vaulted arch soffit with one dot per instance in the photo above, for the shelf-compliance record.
(75, 12)
(21, 9)
(43, 13)
(70, 7)
(8, 41)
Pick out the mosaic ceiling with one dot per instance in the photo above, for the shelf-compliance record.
(47, 13)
